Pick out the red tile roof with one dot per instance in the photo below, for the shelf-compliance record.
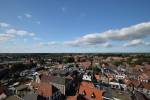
(47, 78)
(89, 84)
(145, 85)
(90, 90)
(135, 83)
(72, 97)
(44, 89)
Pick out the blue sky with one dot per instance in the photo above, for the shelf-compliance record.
(74, 26)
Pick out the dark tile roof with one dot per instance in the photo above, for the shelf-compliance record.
(21, 87)
(30, 96)
(90, 90)
(53, 79)
(14, 97)
(140, 96)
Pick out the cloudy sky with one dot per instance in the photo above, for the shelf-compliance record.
(50, 26)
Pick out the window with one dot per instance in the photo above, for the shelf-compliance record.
(57, 93)
(93, 95)
(117, 86)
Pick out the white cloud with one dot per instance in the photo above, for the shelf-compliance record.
(31, 34)
(90, 39)
(9, 33)
(36, 38)
(72, 43)
(19, 17)
(2, 24)
(136, 42)
(52, 43)
(147, 43)
(4, 37)
(28, 15)
(127, 33)
(19, 32)
(106, 45)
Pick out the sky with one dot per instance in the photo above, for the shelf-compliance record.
(74, 26)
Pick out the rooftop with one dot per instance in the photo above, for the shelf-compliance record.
(14, 97)
(112, 93)
(53, 79)
(30, 96)
(88, 90)
(44, 89)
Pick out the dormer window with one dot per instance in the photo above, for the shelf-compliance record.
(84, 93)
(93, 95)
